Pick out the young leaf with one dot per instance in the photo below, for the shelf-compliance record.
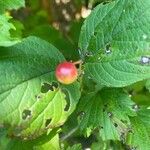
(108, 110)
(9, 4)
(140, 136)
(115, 37)
(30, 99)
(5, 27)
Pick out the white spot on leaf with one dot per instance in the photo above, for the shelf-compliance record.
(145, 59)
(144, 36)
(89, 77)
(108, 51)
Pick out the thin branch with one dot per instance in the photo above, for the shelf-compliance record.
(69, 134)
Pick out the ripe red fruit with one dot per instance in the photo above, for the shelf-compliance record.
(66, 72)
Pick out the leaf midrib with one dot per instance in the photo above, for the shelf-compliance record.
(26, 81)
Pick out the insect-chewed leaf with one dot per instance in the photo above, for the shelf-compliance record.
(30, 99)
(108, 111)
(117, 35)
(50, 142)
(140, 136)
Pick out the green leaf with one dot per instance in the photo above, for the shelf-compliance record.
(19, 28)
(97, 145)
(53, 144)
(115, 37)
(142, 99)
(139, 94)
(140, 135)
(101, 145)
(9, 4)
(108, 110)
(50, 142)
(75, 147)
(30, 99)
(5, 27)
(119, 103)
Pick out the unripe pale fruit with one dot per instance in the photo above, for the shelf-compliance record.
(66, 72)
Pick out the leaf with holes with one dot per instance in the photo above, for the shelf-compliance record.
(5, 27)
(31, 101)
(109, 110)
(140, 136)
(114, 42)
(44, 142)
(9, 4)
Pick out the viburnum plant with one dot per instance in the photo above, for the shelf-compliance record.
(99, 100)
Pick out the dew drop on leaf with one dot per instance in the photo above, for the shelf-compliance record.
(130, 95)
(144, 36)
(145, 59)
(108, 51)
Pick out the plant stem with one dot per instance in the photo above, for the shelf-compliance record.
(69, 134)
(78, 62)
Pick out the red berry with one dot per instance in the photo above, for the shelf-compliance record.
(66, 72)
